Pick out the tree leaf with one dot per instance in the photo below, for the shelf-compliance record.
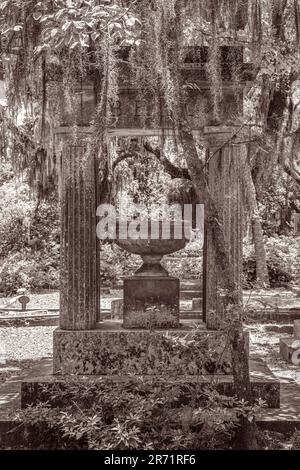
(37, 16)
(54, 32)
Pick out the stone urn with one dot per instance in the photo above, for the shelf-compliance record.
(167, 238)
(151, 296)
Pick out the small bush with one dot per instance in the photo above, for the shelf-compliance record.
(29, 238)
(134, 414)
(295, 440)
(33, 271)
(115, 263)
(184, 267)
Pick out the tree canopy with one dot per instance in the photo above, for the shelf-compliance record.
(48, 47)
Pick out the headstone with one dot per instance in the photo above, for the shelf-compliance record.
(151, 302)
(23, 299)
(117, 308)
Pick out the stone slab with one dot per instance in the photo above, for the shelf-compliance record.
(116, 307)
(35, 390)
(286, 419)
(151, 302)
(111, 349)
(290, 350)
(277, 315)
(16, 321)
(264, 385)
(10, 388)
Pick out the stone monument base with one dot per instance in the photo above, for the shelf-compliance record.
(151, 302)
(186, 360)
(111, 349)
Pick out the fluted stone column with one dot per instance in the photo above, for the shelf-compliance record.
(79, 293)
(225, 188)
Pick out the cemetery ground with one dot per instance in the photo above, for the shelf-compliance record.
(28, 339)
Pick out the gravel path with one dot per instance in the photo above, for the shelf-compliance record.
(26, 343)
(50, 300)
(252, 299)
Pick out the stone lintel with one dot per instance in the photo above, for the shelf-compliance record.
(223, 133)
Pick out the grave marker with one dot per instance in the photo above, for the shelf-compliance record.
(24, 300)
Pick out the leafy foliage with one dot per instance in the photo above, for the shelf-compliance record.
(116, 263)
(134, 414)
(29, 238)
(296, 440)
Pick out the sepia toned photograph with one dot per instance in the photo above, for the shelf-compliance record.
(149, 229)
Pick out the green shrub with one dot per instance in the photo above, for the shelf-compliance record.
(295, 440)
(134, 414)
(184, 267)
(33, 271)
(15, 207)
(116, 263)
(29, 238)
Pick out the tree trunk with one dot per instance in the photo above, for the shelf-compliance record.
(262, 276)
(211, 215)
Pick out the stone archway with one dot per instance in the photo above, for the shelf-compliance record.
(80, 290)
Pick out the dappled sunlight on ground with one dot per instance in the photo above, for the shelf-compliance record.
(266, 344)
(27, 342)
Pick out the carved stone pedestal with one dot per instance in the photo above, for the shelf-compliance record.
(151, 302)
(186, 358)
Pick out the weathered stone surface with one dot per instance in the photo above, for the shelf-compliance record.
(290, 350)
(130, 111)
(116, 308)
(151, 302)
(79, 270)
(114, 350)
(23, 299)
